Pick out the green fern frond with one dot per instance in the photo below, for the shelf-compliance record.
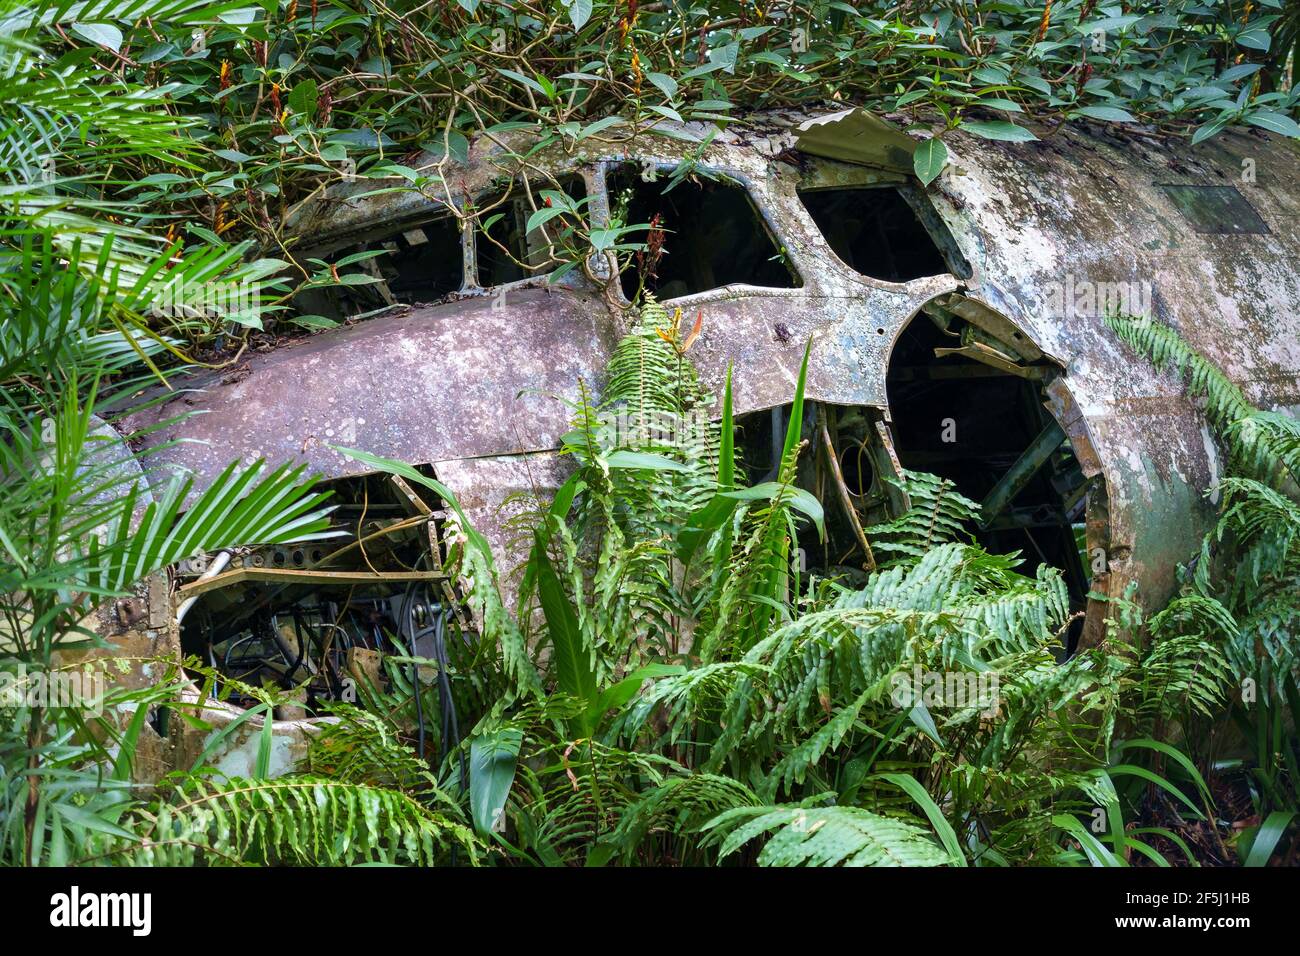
(1258, 443)
(680, 804)
(300, 821)
(1268, 643)
(1263, 527)
(938, 515)
(361, 747)
(824, 836)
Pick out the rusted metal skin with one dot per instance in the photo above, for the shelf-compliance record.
(458, 380)
(494, 491)
(1039, 224)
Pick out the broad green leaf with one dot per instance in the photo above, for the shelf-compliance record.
(1133, 770)
(102, 34)
(643, 460)
(579, 13)
(266, 741)
(1254, 39)
(599, 127)
(616, 695)
(666, 84)
(93, 821)
(703, 522)
(1107, 24)
(1209, 129)
(303, 97)
(1000, 103)
(920, 716)
(1112, 114)
(544, 215)
(1267, 837)
(573, 664)
(798, 498)
(1173, 753)
(795, 427)
(493, 756)
(528, 81)
(1241, 70)
(1274, 122)
(929, 159)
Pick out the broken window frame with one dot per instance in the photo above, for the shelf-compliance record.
(1019, 356)
(825, 174)
(520, 193)
(355, 240)
(759, 202)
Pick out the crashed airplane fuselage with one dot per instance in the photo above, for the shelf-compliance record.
(957, 329)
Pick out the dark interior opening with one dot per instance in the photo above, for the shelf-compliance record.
(418, 263)
(506, 219)
(849, 434)
(876, 232)
(973, 424)
(497, 266)
(332, 609)
(423, 263)
(712, 236)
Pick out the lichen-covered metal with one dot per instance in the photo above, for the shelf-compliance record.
(1051, 230)
(1048, 225)
(464, 379)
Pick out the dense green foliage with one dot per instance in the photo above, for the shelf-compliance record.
(670, 688)
(698, 694)
(1242, 591)
(185, 124)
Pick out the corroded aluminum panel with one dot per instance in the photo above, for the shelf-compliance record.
(457, 380)
(762, 335)
(1047, 225)
(494, 492)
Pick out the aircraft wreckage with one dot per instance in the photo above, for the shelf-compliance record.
(956, 329)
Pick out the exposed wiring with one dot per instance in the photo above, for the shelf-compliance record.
(449, 724)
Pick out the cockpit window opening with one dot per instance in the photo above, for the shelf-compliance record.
(883, 232)
(507, 249)
(702, 234)
(417, 262)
